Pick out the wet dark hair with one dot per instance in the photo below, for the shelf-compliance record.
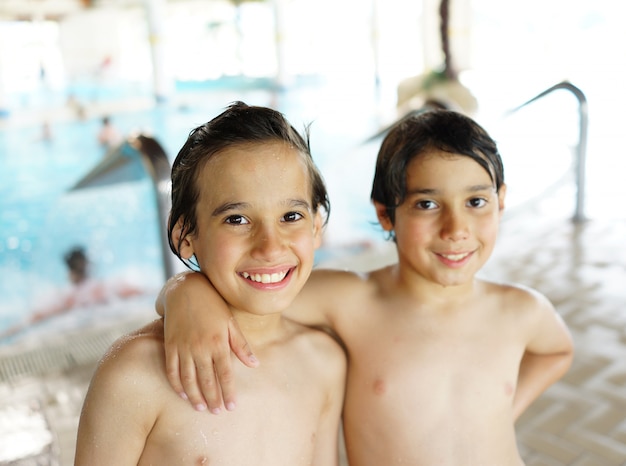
(77, 263)
(443, 130)
(239, 124)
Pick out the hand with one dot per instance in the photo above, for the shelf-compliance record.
(199, 334)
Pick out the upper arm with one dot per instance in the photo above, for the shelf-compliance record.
(326, 295)
(548, 333)
(117, 414)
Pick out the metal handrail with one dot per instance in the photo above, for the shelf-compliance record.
(156, 164)
(581, 147)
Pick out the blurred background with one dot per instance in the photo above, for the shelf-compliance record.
(97, 96)
(351, 68)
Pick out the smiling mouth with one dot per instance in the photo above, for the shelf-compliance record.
(265, 277)
(455, 257)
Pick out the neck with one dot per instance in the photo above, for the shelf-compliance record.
(428, 291)
(259, 329)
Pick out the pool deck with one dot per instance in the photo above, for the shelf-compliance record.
(581, 420)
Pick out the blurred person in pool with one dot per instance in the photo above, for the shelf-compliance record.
(83, 291)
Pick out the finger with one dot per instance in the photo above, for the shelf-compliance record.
(207, 386)
(172, 371)
(226, 379)
(190, 385)
(239, 345)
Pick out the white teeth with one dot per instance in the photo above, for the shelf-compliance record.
(455, 257)
(265, 277)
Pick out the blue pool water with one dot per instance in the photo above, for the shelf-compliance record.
(41, 217)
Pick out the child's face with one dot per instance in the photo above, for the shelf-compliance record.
(256, 230)
(447, 226)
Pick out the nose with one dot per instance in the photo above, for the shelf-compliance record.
(454, 226)
(268, 242)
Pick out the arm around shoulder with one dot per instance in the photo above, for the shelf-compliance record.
(118, 411)
(199, 334)
(326, 297)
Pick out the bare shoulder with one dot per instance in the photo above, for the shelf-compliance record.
(123, 400)
(137, 355)
(344, 286)
(520, 297)
(146, 338)
(535, 319)
(330, 295)
(335, 278)
(520, 302)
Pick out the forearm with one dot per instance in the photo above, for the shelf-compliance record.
(171, 286)
(537, 373)
(320, 298)
(200, 332)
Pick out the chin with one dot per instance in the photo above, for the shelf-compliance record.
(454, 281)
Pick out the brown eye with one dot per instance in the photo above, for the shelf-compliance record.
(236, 220)
(477, 202)
(292, 217)
(426, 205)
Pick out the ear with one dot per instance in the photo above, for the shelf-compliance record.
(186, 245)
(383, 216)
(318, 229)
(501, 197)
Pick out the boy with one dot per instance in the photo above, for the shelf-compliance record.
(441, 363)
(246, 212)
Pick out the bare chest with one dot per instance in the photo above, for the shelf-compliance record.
(275, 423)
(433, 366)
(418, 389)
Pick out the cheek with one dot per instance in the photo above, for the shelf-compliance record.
(212, 255)
(488, 229)
(415, 229)
(303, 244)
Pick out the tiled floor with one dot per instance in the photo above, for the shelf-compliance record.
(41, 394)
(581, 420)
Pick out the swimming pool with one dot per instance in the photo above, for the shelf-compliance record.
(41, 217)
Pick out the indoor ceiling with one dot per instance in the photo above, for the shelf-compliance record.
(54, 9)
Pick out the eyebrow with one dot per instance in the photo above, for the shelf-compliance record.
(234, 206)
(481, 187)
(472, 189)
(227, 207)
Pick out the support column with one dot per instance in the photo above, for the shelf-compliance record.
(162, 79)
(459, 32)
(280, 33)
(4, 106)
